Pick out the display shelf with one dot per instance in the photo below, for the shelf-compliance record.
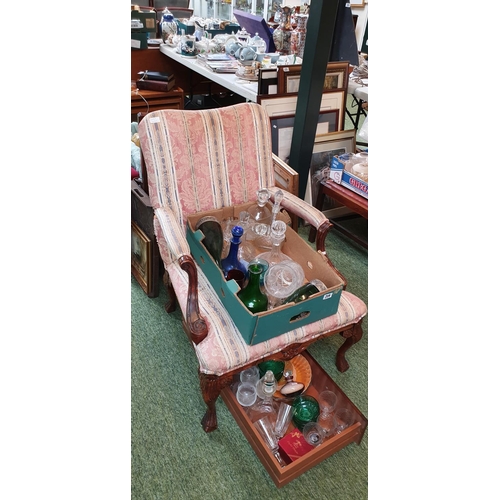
(283, 475)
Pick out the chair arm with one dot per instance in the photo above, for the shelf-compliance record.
(173, 241)
(312, 215)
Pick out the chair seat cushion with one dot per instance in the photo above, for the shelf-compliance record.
(224, 349)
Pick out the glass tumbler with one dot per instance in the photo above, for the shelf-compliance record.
(285, 414)
(246, 394)
(250, 375)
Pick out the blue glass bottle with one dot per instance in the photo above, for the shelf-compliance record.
(232, 260)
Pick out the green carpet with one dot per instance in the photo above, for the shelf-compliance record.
(173, 458)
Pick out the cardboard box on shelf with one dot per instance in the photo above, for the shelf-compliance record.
(342, 176)
(259, 327)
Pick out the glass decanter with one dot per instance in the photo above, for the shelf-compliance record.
(259, 212)
(232, 260)
(266, 387)
(263, 231)
(252, 296)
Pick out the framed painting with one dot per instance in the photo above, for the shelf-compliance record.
(325, 148)
(277, 105)
(141, 257)
(336, 77)
(282, 130)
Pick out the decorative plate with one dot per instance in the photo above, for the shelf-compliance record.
(302, 373)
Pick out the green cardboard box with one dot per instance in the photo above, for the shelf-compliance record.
(256, 328)
(139, 41)
(147, 19)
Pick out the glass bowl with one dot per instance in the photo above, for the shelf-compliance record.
(306, 410)
(275, 365)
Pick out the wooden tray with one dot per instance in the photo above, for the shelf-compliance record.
(283, 475)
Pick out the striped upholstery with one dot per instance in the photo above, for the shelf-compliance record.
(203, 160)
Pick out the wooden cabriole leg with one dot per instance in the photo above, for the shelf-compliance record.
(211, 387)
(351, 335)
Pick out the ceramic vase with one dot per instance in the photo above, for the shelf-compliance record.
(298, 36)
(281, 35)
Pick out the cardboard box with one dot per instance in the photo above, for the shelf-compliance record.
(341, 175)
(188, 30)
(293, 446)
(139, 41)
(147, 19)
(259, 327)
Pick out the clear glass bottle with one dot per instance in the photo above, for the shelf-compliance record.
(232, 260)
(252, 296)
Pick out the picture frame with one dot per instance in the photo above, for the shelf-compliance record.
(268, 81)
(282, 130)
(141, 257)
(287, 179)
(326, 146)
(279, 105)
(336, 77)
(357, 4)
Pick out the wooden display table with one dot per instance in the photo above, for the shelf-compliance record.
(145, 101)
(343, 196)
(283, 475)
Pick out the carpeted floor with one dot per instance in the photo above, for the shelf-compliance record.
(173, 458)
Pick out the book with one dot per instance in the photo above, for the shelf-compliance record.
(155, 75)
(155, 85)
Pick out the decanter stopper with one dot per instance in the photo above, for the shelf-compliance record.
(291, 388)
(278, 196)
(260, 212)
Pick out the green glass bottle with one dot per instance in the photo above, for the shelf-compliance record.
(305, 291)
(251, 295)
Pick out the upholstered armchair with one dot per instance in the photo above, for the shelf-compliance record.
(200, 160)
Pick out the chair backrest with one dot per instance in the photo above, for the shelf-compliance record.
(199, 160)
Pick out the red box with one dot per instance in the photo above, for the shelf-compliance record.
(293, 446)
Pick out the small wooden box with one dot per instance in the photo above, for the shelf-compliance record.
(283, 475)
